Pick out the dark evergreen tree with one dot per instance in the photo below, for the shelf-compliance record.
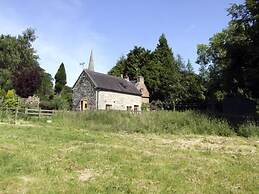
(168, 79)
(168, 73)
(189, 67)
(119, 68)
(60, 79)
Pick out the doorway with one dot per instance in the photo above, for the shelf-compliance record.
(83, 104)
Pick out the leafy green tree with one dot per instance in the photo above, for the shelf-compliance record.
(232, 56)
(46, 91)
(19, 63)
(60, 79)
(5, 79)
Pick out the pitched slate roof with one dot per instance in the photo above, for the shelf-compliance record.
(111, 83)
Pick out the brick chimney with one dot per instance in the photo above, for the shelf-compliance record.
(140, 79)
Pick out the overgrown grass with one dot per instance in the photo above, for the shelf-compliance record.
(114, 152)
(162, 122)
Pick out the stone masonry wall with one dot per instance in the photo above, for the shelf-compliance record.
(118, 101)
(84, 89)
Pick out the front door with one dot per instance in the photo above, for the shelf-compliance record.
(83, 105)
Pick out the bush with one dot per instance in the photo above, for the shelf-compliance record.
(248, 130)
(11, 100)
(145, 107)
(59, 102)
(47, 104)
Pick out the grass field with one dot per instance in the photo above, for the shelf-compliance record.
(66, 156)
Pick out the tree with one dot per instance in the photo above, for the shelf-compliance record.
(232, 56)
(60, 79)
(5, 80)
(119, 68)
(45, 91)
(26, 81)
(19, 67)
(168, 80)
(168, 73)
(189, 67)
(180, 63)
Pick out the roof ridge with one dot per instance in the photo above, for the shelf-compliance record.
(112, 83)
(112, 76)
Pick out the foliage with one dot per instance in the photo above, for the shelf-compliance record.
(66, 95)
(48, 104)
(19, 67)
(60, 79)
(27, 81)
(11, 100)
(60, 103)
(230, 62)
(118, 69)
(145, 107)
(5, 79)
(167, 79)
(248, 130)
(46, 91)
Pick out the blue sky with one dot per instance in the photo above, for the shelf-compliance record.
(68, 29)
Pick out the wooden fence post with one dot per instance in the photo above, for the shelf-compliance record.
(39, 112)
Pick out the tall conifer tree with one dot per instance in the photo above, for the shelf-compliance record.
(60, 79)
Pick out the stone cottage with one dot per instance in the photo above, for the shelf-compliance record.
(98, 91)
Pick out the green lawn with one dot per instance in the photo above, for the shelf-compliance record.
(47, 158)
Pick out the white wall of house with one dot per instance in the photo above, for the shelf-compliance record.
(117, 101)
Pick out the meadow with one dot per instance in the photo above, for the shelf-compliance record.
(114, 152)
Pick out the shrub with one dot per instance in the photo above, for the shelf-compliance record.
(248, 130)
(145, 107)
(11, 100)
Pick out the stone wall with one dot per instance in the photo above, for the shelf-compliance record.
(118, 101)
(84, 89)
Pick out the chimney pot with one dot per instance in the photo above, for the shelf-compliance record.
(127, 78)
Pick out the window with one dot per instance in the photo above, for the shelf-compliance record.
(136, 107)
(129, 108)
(108, 106)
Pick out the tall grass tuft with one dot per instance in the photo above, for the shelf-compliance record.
(248, 130)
